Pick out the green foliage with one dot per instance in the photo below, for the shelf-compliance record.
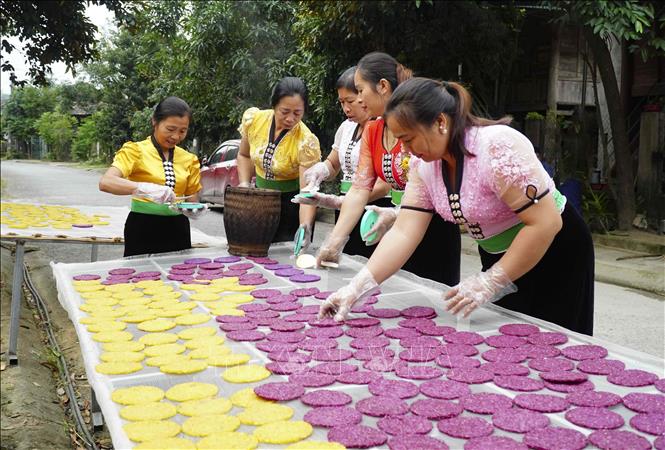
(597, 209)
(57, 129)
(533, 115)
(50, 31)
(21, 111)
(86, 139)
(140, 124)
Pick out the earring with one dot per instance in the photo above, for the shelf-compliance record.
(441, 129)
(445, 131)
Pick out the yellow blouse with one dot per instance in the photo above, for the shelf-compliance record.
(299, 147)
(139, 161)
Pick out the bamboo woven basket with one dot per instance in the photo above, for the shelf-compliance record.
(251, 218)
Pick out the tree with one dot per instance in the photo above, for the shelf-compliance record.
(86, 139)
(57, 129)
(50, 31)
(641, 25)
(20, 113)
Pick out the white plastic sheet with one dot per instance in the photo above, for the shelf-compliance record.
(114, 215)
(400, 291)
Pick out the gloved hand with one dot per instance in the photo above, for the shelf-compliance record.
(315, 175)
(476, 290)
(340, 303)
(244, 184)
(331, 250)
(195, 213)
(155, 192)
(324, 200)
(385, 220)
(307, 240)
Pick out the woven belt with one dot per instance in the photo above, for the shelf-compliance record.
(155, 209)
(278, 185)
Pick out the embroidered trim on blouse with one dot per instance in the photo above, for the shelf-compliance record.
(270, 151)
(167, 164)
(348, 164)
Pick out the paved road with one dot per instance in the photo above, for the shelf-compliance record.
(628, 317)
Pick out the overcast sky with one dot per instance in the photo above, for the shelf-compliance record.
(98, 15)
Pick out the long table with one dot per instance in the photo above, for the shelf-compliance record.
(400, 291)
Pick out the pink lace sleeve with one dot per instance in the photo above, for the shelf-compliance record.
(365, 177)
(517, 175)
(416, 194)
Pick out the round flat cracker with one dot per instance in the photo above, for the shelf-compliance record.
(205, 407)
(312, 379)
(486, 403)
(151, 430)
(358, 436)
(519, 420)
(127, 346)
(465, 427)
(137, 395)
(324, 397)
(618, 440)
(196, 332)
(504, 368)
(191, 391)
(359, 377)
(279, 391)
(645, 403)
(167, 443)
(246, 397)
(207, 352)
(173, 358)
(192, 319)
(182, 368)
(583, 352)
(411, 441)
(601, 366)
(112, 336)
(541, 402)
(283, 432)
(632, 378)
(494, 443)
(381, 406)
(652, 423)
(333, 416)
(436, 409)
(122, 357)
(551, 364)
(595, 418)
(394, 388)
(148, 411)
(228, 360)
(156, 325)
(201, 426)
(547, 338)
(249, 373)
(316, 445)
(164, 349)
(263, 413)
(518, 329)
(204, 341)
(553, 438)
(118, 368)
(111, 325)
(593, 398)
(444, 389)
(228, 441)
(519, 383)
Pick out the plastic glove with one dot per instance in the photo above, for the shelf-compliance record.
(476, 290)
(155, 192)
(340, 303)
(324, 200)
(195, 213)
(244, 184)
(315, 175)
(307, 240)
(331, 250)
(386, 219)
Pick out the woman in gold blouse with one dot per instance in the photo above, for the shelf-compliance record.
(277, 147)
(156, 171)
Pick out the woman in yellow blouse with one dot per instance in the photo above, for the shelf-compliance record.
(277, 147)
(156, 171)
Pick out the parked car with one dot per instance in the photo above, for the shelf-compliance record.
(218, 171)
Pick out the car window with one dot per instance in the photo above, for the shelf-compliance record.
(217, 156)
(231, 153)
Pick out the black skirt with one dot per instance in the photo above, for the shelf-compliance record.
(438, 255)
(356, 245)
(559, 289)
(149, 233)
(289, 218)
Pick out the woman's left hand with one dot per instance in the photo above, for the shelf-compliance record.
(476, 290)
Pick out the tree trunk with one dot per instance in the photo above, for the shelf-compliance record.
(622, 157)
(551, 150)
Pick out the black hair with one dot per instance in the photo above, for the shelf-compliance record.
(420, 101)
(287, 87)
(345, 80)
(377, 65)
(171, 106)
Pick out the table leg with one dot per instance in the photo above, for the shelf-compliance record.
(93, 253)
(17, 293)
(97, 416)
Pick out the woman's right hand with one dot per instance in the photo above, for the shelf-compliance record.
(331, 250)
(155, 192)
(316, 175)
(329, 201)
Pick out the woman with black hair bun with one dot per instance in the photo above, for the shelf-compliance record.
(344, 157)
(277, 147)
(382, 156)
(155, 171)
(536, 251)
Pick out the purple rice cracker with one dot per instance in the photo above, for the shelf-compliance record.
(486, 403)
(123, 271)
(285, 356)
(362, 322)
(494, 443)
(632, 378)
(470, 375)
(518, 329)
(246, 335)
(325, 397)
(227, 259)
(505, 341)
(568, 388)
(305, 292)
(547, 338)
(381, 364)
(335, 416)
(381, 406)
(618, 440)
(417, 372)
(593, 398)
(312, 379)
(659, 443)
(280, 391)
(544, 403)
(334, 368)
(419, 354)
(241, 266)
(519, 420)
(601, 366)
(660, 384)
(288, 272)
(464, 337)
(305, 278)
(283, 325)
(86, 277)
(563, 376)
(436, 409)
(418, 312)
(551, 364)
(465, 427)
(393, 388)
(365, 354)
(540, 351)
(407, 424)
(239, 326)
(504, 368)
(384, 313)
(595, 418)
(324, 332)
(358, 377)
(452, 361)
(583, 352)
(459, 349)
(357, 436)
(326, 354)
(416, 322)
(645, 403)
(374, 342)
(652, 423)
(323, 295)
(511, 355)
(291, 337)
(314, 343)
(412, 441)
(286, 368)
(366, 332)
(554, 438)
(265, 293)
(435, 330)
(444, 389)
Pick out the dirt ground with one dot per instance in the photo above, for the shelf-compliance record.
(35, 407)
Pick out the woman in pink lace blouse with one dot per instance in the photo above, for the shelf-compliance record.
(536, 251)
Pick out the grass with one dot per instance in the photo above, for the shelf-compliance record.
(92, 165)
(3, 187)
